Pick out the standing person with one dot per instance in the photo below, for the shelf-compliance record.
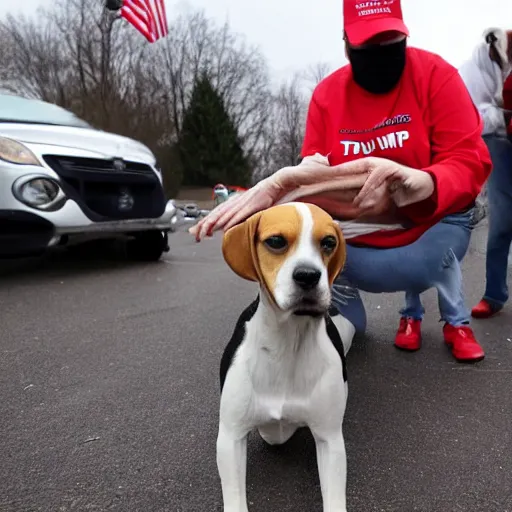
(404, 117)
(485, 75)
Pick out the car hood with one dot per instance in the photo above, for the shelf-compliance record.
(103, 144)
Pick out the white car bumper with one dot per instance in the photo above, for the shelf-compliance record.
(25, 229)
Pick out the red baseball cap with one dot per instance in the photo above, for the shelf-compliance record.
(364, 20)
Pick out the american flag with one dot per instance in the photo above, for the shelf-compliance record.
(147, 16)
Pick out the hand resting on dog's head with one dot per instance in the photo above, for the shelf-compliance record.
(376, 185)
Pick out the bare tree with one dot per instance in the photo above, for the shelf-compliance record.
(285, 129)
(237, 71)
(291, 117)
(74, 52)
(32, 68)
(314, 74)
(83, 57)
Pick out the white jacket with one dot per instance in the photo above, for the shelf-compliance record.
(484, 80)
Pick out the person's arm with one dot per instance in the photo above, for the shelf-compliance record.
(460, 160)
(314, 136)
(493, 116)
(484, 93)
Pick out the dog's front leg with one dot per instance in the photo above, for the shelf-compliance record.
(332, 470)
(232, 466)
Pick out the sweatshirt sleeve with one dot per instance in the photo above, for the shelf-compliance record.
(460, 160)
(314, 137)
(484, 94)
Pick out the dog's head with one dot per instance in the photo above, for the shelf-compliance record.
(295, 251)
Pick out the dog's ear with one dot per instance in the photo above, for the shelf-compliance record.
(239, 248)
(337, 261)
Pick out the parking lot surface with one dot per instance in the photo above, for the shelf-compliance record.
(109, 396)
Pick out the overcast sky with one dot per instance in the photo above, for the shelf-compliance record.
(294, 34)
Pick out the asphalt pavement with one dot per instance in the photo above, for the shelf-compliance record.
(109, 396)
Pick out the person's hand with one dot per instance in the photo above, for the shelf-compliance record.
(380, 182)
(405, 185)
(310, 178)
(340, 204)
(263, 195)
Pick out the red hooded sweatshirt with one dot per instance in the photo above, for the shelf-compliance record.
(427, 122)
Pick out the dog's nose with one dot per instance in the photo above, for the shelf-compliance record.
(306, 277)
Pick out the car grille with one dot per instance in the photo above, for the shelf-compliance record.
(109, 193)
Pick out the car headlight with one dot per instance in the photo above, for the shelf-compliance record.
(39, 192)
(16, 152)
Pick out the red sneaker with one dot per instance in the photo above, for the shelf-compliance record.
(484, 310)
(408, 336)
(462, 341)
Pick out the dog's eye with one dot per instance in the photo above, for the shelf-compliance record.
(276, 243)
(328, 244)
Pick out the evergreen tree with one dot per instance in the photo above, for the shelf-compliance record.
(210, 147)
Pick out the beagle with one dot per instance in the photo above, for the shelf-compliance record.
(284, 367)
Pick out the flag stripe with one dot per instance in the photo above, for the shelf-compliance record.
(162, 22)
(147, 16)
(156, 9)
(138, 11)
(164, 17)
(137, 22)
(154, 16)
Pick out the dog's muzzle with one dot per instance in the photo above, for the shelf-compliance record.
(307, 278)
(308, 301)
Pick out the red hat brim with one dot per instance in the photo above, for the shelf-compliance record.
(360, 31)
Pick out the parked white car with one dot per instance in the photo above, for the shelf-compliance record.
(61, 180)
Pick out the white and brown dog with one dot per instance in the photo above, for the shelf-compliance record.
(284, 367)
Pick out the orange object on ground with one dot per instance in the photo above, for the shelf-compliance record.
(235, 188)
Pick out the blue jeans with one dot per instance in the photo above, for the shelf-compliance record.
(499, 194)
(432, 261)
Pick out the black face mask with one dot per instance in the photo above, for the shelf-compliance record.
(378, 68)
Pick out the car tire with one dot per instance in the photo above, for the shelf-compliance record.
(147, 246)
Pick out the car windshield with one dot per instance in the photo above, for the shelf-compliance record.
(14, 109)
